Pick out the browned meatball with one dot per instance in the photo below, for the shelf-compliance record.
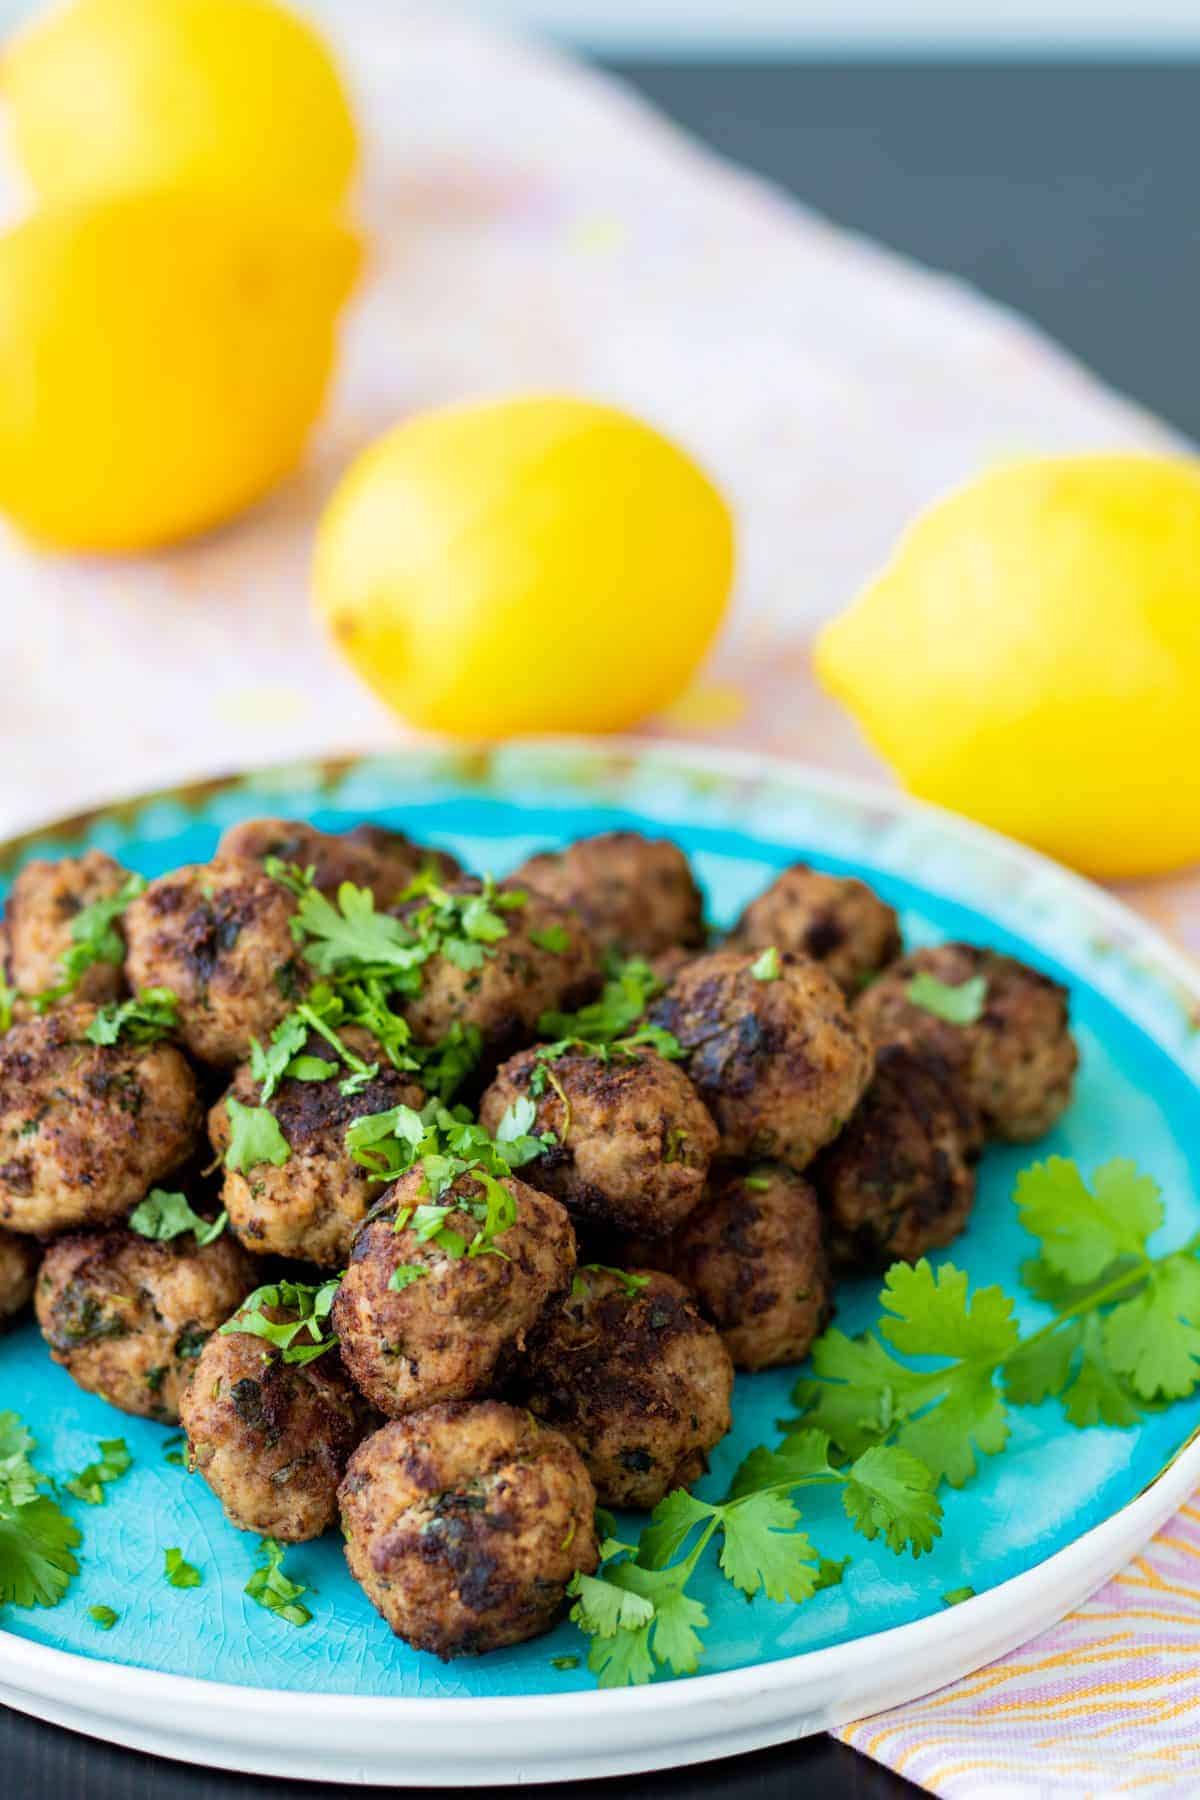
(370, 856)
(547, 961)
(636, 895)
(629, 1371)
(1018, 1058)
(465, 1523)
(754, 1256)
(85, 1129)
(42, 903)
(218, 935)
(900, 1180)
(310, 1206)
(779, 1062)
(451, 1325)
(18, 1269)
(271, 1438)
(834, 919)
(127, 1317)
(634, 1138)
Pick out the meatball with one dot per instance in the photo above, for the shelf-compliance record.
(42, 903)
(370, 856)
(310, 1206)
(640, 1383)
(86, 1128)
(900, 1180)
(636, 895)
(778, 1060)
(219, 936)
(834, 919)
(420, 1321)
(546, 961)
(465, 1523)
(634, 1138)
(18, 1269)
(753, 1255)
(1018, 1059)
(272, 1438)
(128, 1317)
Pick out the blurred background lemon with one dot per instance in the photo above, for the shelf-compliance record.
(538, 564)
(162, 359)
(1031, 657)
(234, 96)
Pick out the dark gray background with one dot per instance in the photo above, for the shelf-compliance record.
(1069, 192)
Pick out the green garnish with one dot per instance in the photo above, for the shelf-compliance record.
(179, 1573)
(255, 1137)
(758, 1184)
(173, 1450)
(164, 1216)
(614, 1022)
(36, 1536)
(103, 1616)
(94, 939)
(150, 1015)
(300, 1339)
(961, 1005)
(956, 1596)
(555, 938)
(114, 1461)
(767, 966)
(274, 1590)
(564, 1662)
(405, 1274)
(632, 1284)
(8, 1000)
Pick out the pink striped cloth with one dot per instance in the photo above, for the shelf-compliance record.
(1107, 1702)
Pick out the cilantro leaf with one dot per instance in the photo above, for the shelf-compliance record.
(936, 1316)
(36, 1537)
(956, 1005)
(890, 1491)
(268, 1067)
(671, 1524)
(1081, 1230)
(761, 1549)
(1097, 1395)
(94, 939)
(164, 1216)
(150, 1015)
(255, 1137)
(555, 938)
(103, 1616)
(622, 1659)
(1152, 1339)
(113, 1462)
(300, 1338)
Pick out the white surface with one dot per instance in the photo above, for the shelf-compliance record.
(469, 1742)
(535, 227)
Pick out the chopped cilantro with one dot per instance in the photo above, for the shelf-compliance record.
(274, 1590)
(164, 1216)
(37, 1539)
(114, 1461)
(255, 1138)
(956, 1596)
(179, 1573)
(767, 966)
(631, 1283)
(404, 1274)
(618, 1013)
(758, 1184)
(103, 1616)
(94, 939)
(300, 1338)
(173, 1450)
(555, 938)
(961, 1005)
(8, 1000)
(150, 1015)
(564, 1662)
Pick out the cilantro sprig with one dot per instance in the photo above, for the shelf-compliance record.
(612, 1025)
(37, 1539)
(94, 939)
(165, 1215)
(303, 1336)
(144, 1019)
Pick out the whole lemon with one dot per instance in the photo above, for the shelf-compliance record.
(1031, 657)
(538, 564)
(162, 359)
(237, 96)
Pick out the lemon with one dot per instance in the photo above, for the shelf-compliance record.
(537, 564)
(162, 359)
(236, 96)
(1031, 657)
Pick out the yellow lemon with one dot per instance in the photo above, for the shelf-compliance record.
(162, 359)
(237, 96)
(537, 564)
(1031, 657)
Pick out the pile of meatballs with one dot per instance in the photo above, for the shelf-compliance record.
(681, 1222)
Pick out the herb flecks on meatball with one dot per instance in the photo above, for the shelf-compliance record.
(63, 928)
(636, 895)
(86, 1128)
(369, 856)
(835, 919)
(633, 1139)
(773, 1051)
(271, 1437)
(465, 1524)
(1004, 1025)
(900, 1180)
(753, 1254)
(423, 1319)
(127, 1317)
(219, 936)
(640, 1383)
(19, 1257)
(310, 1206)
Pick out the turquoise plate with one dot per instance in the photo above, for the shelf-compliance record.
(740, 819)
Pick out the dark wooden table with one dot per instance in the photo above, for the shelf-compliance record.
(1065, 191)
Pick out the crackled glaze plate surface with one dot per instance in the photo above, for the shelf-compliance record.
(206, 1675)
